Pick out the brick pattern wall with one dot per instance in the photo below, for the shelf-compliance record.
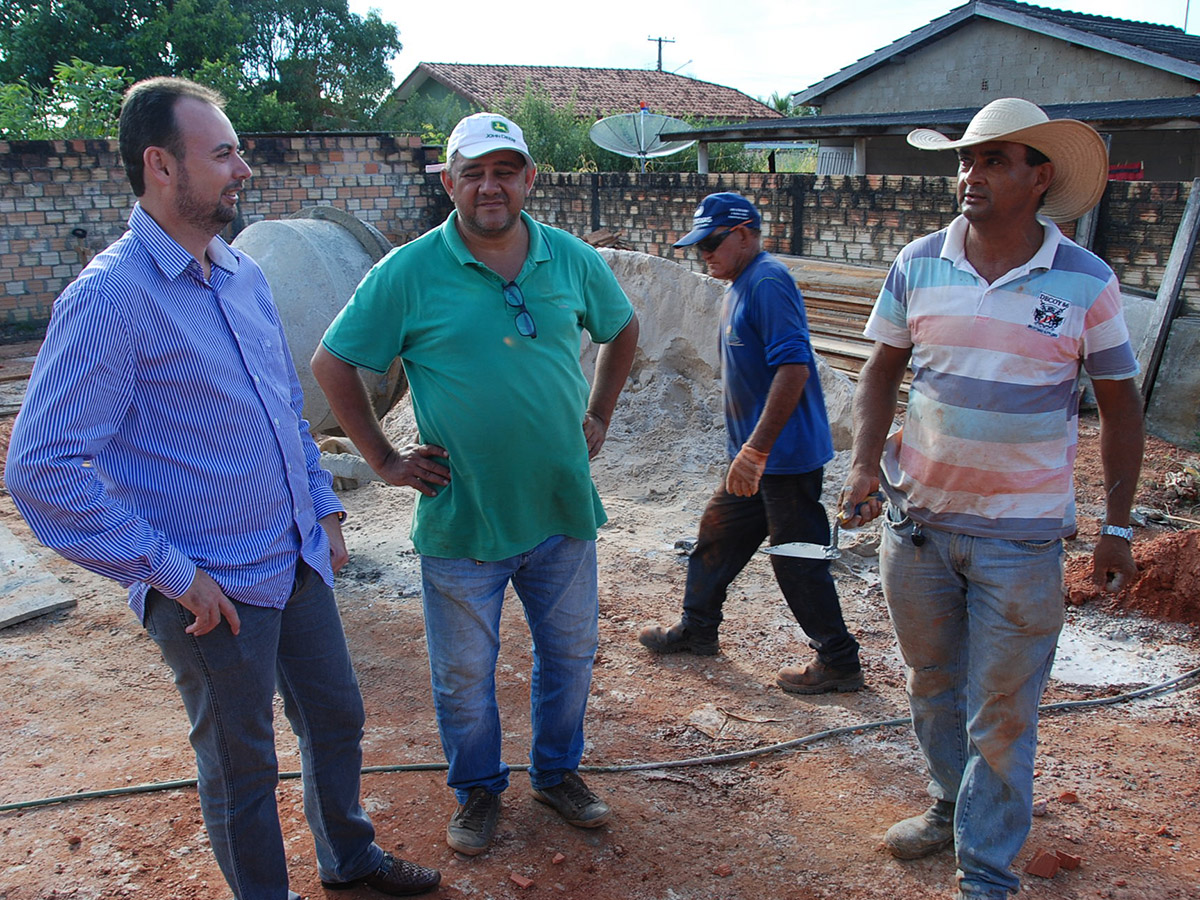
(48, 190)
(61, 202)
(1138, 222)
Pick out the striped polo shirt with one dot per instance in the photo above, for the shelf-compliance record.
(989, 439)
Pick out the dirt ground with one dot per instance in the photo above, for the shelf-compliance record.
(86, 703)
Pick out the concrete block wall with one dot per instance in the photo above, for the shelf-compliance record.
(1138, 224)
(61, 202)
(653, 211)
(49, 189)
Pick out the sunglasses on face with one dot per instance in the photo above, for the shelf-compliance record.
(516, 301)
(713, 241)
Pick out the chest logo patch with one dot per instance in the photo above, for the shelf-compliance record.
(1049, 314)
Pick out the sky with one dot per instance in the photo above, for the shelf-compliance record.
(757, 46)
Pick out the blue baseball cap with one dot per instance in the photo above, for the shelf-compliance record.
(715, 210)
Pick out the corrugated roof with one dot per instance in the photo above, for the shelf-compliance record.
(1113, 115)
(1165, 39)
(1160, 46)
(599, 91)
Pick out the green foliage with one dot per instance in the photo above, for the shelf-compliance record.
(331, 64)
(433, 118)
(20, 113)
(309, 64)
(558, 136)
(250, 107)
(83, 101)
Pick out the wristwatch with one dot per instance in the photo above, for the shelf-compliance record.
(1121, 531)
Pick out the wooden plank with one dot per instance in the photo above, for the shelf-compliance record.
(1150, 353)
(26, 589)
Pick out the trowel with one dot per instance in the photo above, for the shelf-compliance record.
(818, 551)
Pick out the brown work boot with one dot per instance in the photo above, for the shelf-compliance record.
(924, 834)
(677, 639)
(818, 678)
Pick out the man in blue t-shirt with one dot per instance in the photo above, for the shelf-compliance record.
(779, 440)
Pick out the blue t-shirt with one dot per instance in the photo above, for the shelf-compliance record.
(763, 326)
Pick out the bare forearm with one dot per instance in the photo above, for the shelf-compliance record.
(786, 389)
(1122, 442)
(351, 405)
(613, 362)
(874, 407)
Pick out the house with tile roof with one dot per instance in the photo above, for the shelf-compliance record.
(595, 92)
(1135, 82)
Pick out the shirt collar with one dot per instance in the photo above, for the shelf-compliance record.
(539, 247)
(171, 259)
(954, 248)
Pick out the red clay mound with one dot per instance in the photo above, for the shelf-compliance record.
(1168, 586)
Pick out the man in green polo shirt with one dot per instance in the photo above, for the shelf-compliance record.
(487, 311)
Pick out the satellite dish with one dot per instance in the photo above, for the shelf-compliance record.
(640, 135)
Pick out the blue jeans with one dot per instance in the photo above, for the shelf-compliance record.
(977, 620)
(786, 508)
(228, 684)
(556, 583)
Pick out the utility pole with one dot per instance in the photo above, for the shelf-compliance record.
(660, 41)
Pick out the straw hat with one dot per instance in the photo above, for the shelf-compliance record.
(1077, 151)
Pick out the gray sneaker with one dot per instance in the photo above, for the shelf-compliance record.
(574, 801)
(473, 825)
(924, 834)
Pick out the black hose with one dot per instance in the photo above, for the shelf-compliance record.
(718, 759)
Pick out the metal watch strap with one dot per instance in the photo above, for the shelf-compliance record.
(1121, 531)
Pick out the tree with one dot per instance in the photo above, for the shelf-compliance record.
(309, 62)
(330, 63)
(144, 37)
(433, 118)
(83, 101)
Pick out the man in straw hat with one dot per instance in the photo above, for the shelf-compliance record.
(997, 315)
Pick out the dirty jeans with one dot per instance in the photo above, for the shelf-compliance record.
(228, 684)
(977, 620)
(786, 508)
(556, 583)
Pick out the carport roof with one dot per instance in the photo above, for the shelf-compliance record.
(1118, 115)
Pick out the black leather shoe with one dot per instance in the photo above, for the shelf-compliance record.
(394, 877)
(677, 639)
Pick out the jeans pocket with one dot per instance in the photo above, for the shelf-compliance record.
(1036, 547)
(898, 522)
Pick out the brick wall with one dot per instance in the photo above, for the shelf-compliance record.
(48, 190)
(61, 202)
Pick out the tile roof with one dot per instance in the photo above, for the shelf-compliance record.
(596, 91)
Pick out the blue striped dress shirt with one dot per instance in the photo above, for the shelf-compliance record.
(162, 428)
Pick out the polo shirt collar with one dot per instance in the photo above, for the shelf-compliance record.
(171, 259)
(954, 248)
(539, 247)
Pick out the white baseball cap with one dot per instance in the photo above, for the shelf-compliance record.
(484, 133)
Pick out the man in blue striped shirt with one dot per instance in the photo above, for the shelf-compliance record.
(161, 444)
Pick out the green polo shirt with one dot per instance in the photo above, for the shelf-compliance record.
(509, 409)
